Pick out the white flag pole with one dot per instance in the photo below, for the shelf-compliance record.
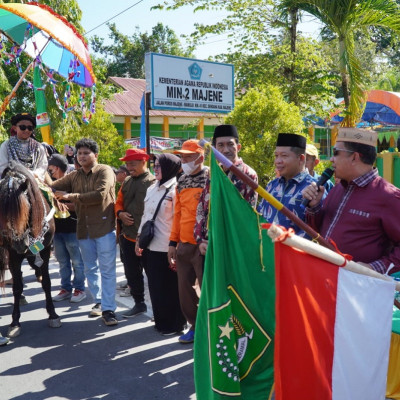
(314, 249)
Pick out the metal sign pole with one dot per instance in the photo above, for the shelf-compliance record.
(147, 108)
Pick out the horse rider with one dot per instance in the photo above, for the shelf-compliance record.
(23, 147)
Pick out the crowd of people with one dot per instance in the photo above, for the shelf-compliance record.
(173, 204)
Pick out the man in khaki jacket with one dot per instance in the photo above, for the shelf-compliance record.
(92, 190)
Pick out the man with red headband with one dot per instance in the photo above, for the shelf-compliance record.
(129, 210)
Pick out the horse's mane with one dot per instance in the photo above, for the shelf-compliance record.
(21, 202)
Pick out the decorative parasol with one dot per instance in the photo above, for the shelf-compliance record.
(52, 41)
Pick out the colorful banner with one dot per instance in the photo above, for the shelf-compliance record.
(157, 144)
(42, 118)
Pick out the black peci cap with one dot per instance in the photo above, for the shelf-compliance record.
(291, 140)
(225, 130)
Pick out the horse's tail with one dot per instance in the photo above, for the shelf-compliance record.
(3, 262)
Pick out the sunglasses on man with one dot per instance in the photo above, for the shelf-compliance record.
(24, 127)
(337, 151)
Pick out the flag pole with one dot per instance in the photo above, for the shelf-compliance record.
(315, 236)
(275, 232)
(147, 105)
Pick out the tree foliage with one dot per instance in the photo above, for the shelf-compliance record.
(101, 129)
(125, 55)
(314, 80)
(344, 19)
(390, 81)
(259, 116)
(265, 49)
(247, 22)
(261, 31)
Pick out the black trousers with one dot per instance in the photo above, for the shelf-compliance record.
(163, 288)
(133, 269)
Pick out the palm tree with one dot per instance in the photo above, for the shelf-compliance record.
(344, 18)
(390, 81)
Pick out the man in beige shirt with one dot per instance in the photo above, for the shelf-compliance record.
(92, 190)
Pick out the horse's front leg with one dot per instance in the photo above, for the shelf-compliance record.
(15, 262)
(54, 319)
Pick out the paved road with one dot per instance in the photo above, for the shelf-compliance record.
(84, 359)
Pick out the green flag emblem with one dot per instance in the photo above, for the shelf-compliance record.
(236, 345)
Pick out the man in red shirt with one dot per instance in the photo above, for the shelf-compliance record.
(360, 214)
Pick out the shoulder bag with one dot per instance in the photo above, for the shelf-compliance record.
(147, 233)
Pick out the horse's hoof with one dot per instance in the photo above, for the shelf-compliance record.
(55, 323)
(14, 331)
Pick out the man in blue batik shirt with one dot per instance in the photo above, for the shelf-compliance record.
(290, 159)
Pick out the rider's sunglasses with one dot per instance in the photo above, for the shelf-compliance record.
(23, 127)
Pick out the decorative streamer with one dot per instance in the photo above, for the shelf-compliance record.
(38, 86)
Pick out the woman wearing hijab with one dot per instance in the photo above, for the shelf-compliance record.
(162, 280)
(70, 152)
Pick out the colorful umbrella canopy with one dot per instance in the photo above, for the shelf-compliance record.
(57, 41)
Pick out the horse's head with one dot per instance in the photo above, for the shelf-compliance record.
(20, 206)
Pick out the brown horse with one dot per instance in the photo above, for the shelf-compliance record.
(26, 231)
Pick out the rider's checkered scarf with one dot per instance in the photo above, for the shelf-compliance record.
(24, 151)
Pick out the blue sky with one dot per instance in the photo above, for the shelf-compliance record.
(95, 12)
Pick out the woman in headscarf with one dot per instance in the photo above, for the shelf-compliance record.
(162, 280)
(70, 152)
(23, 148)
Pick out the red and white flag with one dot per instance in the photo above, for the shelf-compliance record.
(333, 330)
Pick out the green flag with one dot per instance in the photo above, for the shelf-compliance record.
(42, 118)
(234, 341)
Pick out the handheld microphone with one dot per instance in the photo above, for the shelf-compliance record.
(326, 175)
